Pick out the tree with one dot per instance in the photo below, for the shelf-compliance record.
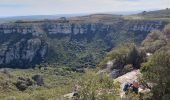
(167, 31)
(124, 54)
(154, 41)
(157, 72)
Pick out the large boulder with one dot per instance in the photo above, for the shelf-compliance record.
(38, 79)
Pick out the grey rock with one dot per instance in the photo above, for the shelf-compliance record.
(115, 73)
(38, 79)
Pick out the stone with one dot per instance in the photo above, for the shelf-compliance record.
(38, 79)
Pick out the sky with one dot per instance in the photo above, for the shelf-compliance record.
(53, 7)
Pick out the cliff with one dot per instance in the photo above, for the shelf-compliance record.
(26, 43)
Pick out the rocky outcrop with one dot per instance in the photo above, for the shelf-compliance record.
(84, 28)
(76, 29)
(146, 26)
(26, 44)
(38, 79)
(23, 53)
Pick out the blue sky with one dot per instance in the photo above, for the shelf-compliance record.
(50, 7)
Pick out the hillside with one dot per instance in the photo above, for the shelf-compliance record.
(156, 14)
(36, 17)
(163, 15)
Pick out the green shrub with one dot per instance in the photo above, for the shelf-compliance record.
(96, 87)
(23, 83)
(127, 68)
(156, 71)
(122, 55)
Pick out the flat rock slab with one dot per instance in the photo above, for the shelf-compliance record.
(68, 96)
(128, 77)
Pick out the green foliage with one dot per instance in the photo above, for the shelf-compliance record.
(159, 15)
(75, 53)
(6, 82)
(58, 80)
(130, 95)
(157, 70)
(154, 41)
(23, 83)
(167, 30)
(127, 68)
(96, 87)
(122, 55)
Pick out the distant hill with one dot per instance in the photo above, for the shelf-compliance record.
(151, 15)
(83, 16)
(36, 17)
(156, 14)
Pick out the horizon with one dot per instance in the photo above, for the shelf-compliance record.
(14, 8)
(78, 14)
(124, 13)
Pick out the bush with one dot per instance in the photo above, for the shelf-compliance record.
(156, 71)
(94, 86)
(127, 68)
(23, 83)
(122, 55)
(167, 29)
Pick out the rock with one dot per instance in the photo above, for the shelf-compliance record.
(23, 52)
(115, 73)
(38, 79)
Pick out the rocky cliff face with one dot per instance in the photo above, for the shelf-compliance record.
(23, 53)
(26, 44)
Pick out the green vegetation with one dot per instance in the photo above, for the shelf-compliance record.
(156, 71)
(123, 55)
(67, 56)
(76, 54)
(57, 82)
(97, 87)
(17, 84)
(127, 68)
(159, 15)
(156, 40)
(143, 18)
(157, 68)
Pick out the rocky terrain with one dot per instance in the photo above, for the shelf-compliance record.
(27, 43)
(46, 59)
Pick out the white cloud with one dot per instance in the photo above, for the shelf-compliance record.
(37, 7)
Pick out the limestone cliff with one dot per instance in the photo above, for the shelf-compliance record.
(25, 44)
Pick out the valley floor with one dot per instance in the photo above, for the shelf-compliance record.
(57, 81)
